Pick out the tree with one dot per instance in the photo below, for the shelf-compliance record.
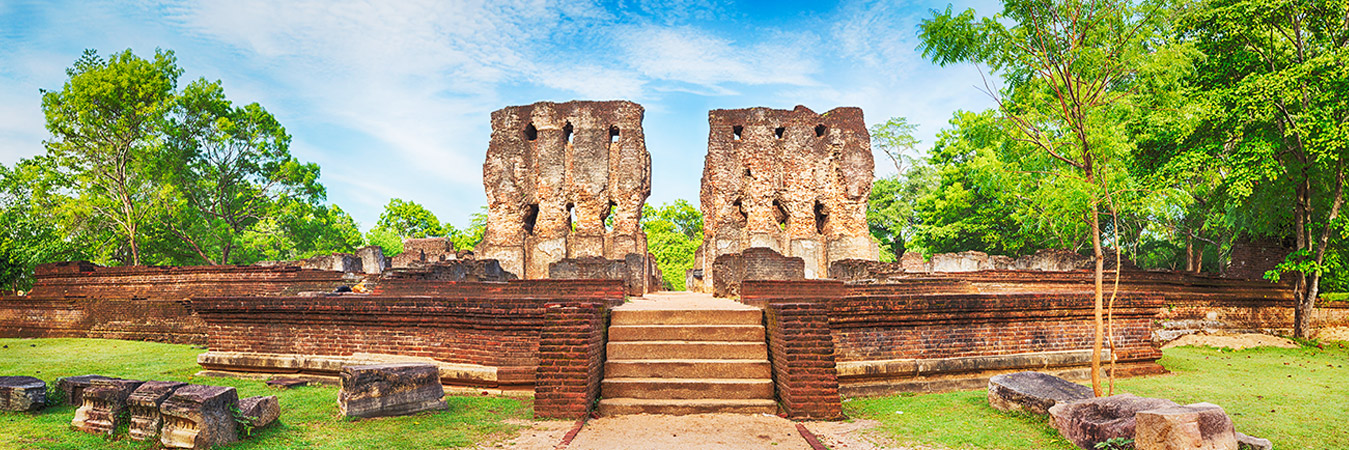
(895, 139)
(409, 220)
(233, 168)
(106, 125)
(891, 216)
(673, 233)
(1066, 63)
(29, 230)
(1278, 72)
(468, 238)
(299, 230)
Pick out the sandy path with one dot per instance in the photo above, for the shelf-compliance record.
(1235, 342)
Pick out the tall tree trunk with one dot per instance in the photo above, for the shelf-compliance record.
(1099, 295)
(1302, 217)
(1307, 304)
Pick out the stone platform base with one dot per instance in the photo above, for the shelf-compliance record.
(875, 378)
(325, 369)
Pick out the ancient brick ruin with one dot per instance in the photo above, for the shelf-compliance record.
(565, 180)
(793, 181)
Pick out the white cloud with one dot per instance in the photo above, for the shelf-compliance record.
(685, 54)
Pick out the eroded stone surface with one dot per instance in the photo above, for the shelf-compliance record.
(104, 402)
(144, 404)
(420, 251)
(261, 410)
(72, 388)
(199, 417)
(20, 393)
(1245, 442)
(1086, 422)
(793, 181)
(372, 259)
(390, 390)
(1198, 426)
(1033, 392)
(554, 173)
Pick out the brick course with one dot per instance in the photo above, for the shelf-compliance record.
(802, 354)
(571, 359)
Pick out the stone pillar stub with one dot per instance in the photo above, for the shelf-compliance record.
(790, 180)
(564, 180)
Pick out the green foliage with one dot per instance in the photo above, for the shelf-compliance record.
(1116, 443)
(673, 233)
(410, 220)
(389, 242)
(891, 217)
(468, 238)
(243, 423)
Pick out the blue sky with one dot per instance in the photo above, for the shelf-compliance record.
(392, 98)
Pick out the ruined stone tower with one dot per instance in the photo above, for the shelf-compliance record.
(793, 181)
(554, 173)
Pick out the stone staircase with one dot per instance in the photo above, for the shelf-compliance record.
(687, 361)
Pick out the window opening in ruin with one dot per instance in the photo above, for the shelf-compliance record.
(780, 214)
(748, 174)
(820, 129)
(531, 133)
(609, 216)
(821, 217)
(778, 132)
(740, 208)
(613, 134)
(737, 131)
(531, 216)
(571, 216)
(566, 132)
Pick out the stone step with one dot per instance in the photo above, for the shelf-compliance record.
(687, 388)
(686, 317)
(737, 333)
(687, 368)
(757, 351)
(620, 406)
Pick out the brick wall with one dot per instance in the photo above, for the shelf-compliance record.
(757, 263)
(571, 359)
(497, 325)
(81, 299)
(802, 354)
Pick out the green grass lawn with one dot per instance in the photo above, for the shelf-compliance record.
(1296, 398)
(309, 415)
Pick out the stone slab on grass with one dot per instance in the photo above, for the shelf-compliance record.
(1033, 392)
(73, 387)
(390, 390)
(199, 417)
(1198, 426)
(144, 404)
(103, 405)
(260, 411)
(1087, 422)
(1245, 442)
(20, 393)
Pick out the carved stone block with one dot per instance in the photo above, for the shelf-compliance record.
(22, 394)
(104, 402)
(73, 387)
(390, 390)
(260, 411)
(199, 417)
(144, 403)
(1199, 426)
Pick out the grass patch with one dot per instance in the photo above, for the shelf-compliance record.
(309, 415)
(1289, 396)
(1335, 297)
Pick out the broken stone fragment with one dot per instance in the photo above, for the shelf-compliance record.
(144, 404)
(22, 394)
(1033, 392)
(104, 402)
(390, 390)
(260, 411)
(199, 417)
(1094, 420)
(1245, 442)
(1199, 426)
(73, 387)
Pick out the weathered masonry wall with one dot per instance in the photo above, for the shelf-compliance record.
(793, 181)
(554, 173)
(899, 337)
(480, 334)
(1190, 302)
(81, 299)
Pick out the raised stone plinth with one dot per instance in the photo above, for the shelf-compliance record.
(72, 388)
(390, 390)
(1033, 392)
(260, 411)
(144, 404)
(22, 394)
(1087, 422)
(199, 417)
(104, 403)
(1199, 426)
